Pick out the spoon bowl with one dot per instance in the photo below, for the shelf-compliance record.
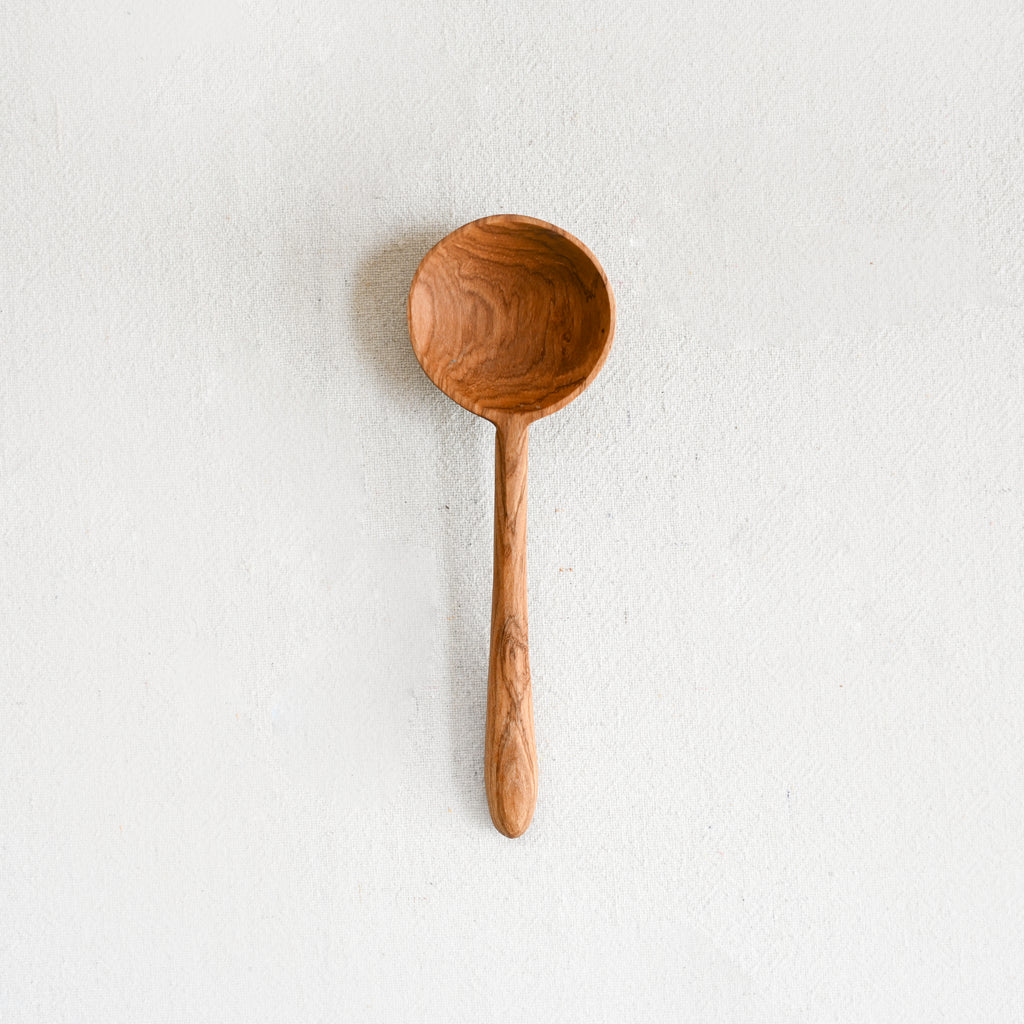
(512, 318)
(511, 315)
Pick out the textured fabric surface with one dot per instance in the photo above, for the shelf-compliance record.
(775, 551)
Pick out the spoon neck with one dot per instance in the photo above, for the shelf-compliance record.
(512, 433)
(511, 456)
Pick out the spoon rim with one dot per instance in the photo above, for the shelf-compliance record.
(498, 416)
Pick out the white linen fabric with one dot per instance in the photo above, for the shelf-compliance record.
(775, 551)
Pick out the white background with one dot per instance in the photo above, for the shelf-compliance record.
(775, 553)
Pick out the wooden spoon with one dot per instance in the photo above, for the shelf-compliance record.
(512, 318)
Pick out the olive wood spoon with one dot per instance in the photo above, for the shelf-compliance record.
(512, 318)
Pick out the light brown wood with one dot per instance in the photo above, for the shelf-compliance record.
(512, 318)
(510, 752)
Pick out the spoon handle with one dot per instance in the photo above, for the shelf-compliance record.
(510, 753)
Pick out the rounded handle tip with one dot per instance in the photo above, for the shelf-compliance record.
(512, 793)
(513, 830)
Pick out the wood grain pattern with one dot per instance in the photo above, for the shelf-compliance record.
(512, 318)
(510, 314)
(510, 752)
